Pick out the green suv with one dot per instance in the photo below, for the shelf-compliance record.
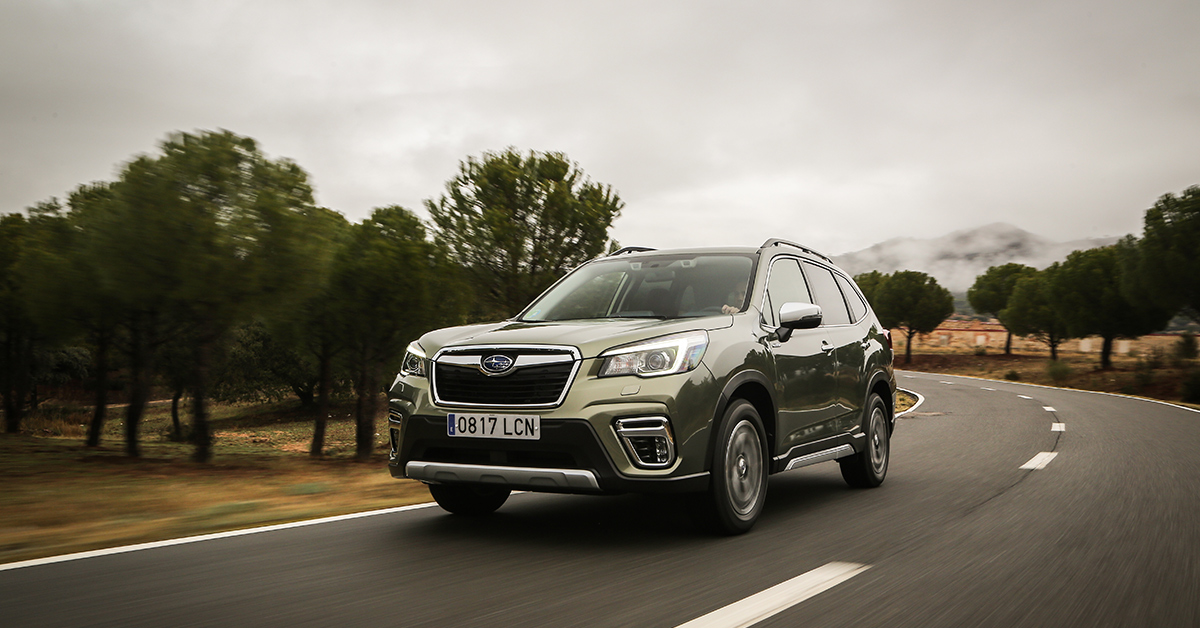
(695, 371)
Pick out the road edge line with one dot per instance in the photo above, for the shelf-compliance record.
(1078, 390)
(122, 549)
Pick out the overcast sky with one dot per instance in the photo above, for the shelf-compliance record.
(837, 124)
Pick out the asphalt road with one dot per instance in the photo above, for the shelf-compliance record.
(1106, 533)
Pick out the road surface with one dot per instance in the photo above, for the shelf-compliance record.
(1005, 505)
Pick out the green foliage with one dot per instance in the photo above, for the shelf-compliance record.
(1012, 376)
(991, 290)
(869, 284)
(1032, 310)
(1086, 291)
(1163, 267)
(517, 223)
(911, 301)
(1058, 371)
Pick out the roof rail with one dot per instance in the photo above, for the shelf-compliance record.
(630, 249)
(778, 242)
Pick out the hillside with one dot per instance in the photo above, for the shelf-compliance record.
(958, 258)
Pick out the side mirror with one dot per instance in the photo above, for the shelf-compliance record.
(799, 315)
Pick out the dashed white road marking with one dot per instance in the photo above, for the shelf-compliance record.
(1024, 397)
(1040, 461)
(949, 383)
(1048, 408)
(986, 388)
(1058, 427)
(764, 604)
(910, 377)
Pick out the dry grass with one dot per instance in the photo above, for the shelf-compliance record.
(1144, 376)
(60, 497)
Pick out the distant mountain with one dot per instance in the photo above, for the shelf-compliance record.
(958, 258)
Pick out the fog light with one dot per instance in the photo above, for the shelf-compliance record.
(648, 441)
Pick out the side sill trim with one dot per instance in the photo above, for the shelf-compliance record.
(841, 451)
(489, 474)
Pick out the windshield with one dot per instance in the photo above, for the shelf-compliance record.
(666, 286)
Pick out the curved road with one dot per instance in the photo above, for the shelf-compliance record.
(1103, 531)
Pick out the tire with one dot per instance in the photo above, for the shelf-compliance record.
(739, 472)
(469, 499)
(868, 468)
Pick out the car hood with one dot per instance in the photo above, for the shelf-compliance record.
(591, 337)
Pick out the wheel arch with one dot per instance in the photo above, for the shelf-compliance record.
(882, 385)
(755, 387)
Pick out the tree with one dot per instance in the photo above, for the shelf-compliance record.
(913, 302)
(204, 237)
(64, 289)
(992, 289)
(1087, 292)
(18, 335)
(384, 288)
(1032, 310)
(1164, 265)
(518, 223)
(869, 284)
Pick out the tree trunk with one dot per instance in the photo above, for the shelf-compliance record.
(1008, 344)
(1106, 353)
(323, 389)
(100, 411)
(201, 436)
(176, 428)
(908, 338)
(364, 413)
(139, 374)
(1053, 342)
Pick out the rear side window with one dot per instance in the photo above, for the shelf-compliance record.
(858, 308)
(828, 296)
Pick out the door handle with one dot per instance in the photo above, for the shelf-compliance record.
(826, 347)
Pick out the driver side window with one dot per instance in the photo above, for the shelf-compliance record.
(785, 285)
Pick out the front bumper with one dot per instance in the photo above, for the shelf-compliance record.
(569, 458)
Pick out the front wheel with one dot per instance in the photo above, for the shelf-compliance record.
(867, 468)
(739, 473)
(469, 499)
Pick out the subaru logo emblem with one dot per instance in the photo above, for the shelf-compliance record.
(496, 364)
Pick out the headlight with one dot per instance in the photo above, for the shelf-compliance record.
(678, 353)
(414, 361)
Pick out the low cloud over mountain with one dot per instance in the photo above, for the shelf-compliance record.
(958, 258)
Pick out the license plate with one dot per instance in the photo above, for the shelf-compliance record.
(510, 426)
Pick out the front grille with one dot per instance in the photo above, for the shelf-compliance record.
(539, 378)
(529, 386)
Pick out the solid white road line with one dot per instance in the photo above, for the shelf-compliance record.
(1058, 427)
(206, 537)
(920, 400)
(778, 598)
(1040, 461)
(1048, 408)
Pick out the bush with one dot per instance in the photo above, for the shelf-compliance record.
(1058, 371)
(1012, 376)
(1191, 387)
(1186, 347)
(981, 350)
